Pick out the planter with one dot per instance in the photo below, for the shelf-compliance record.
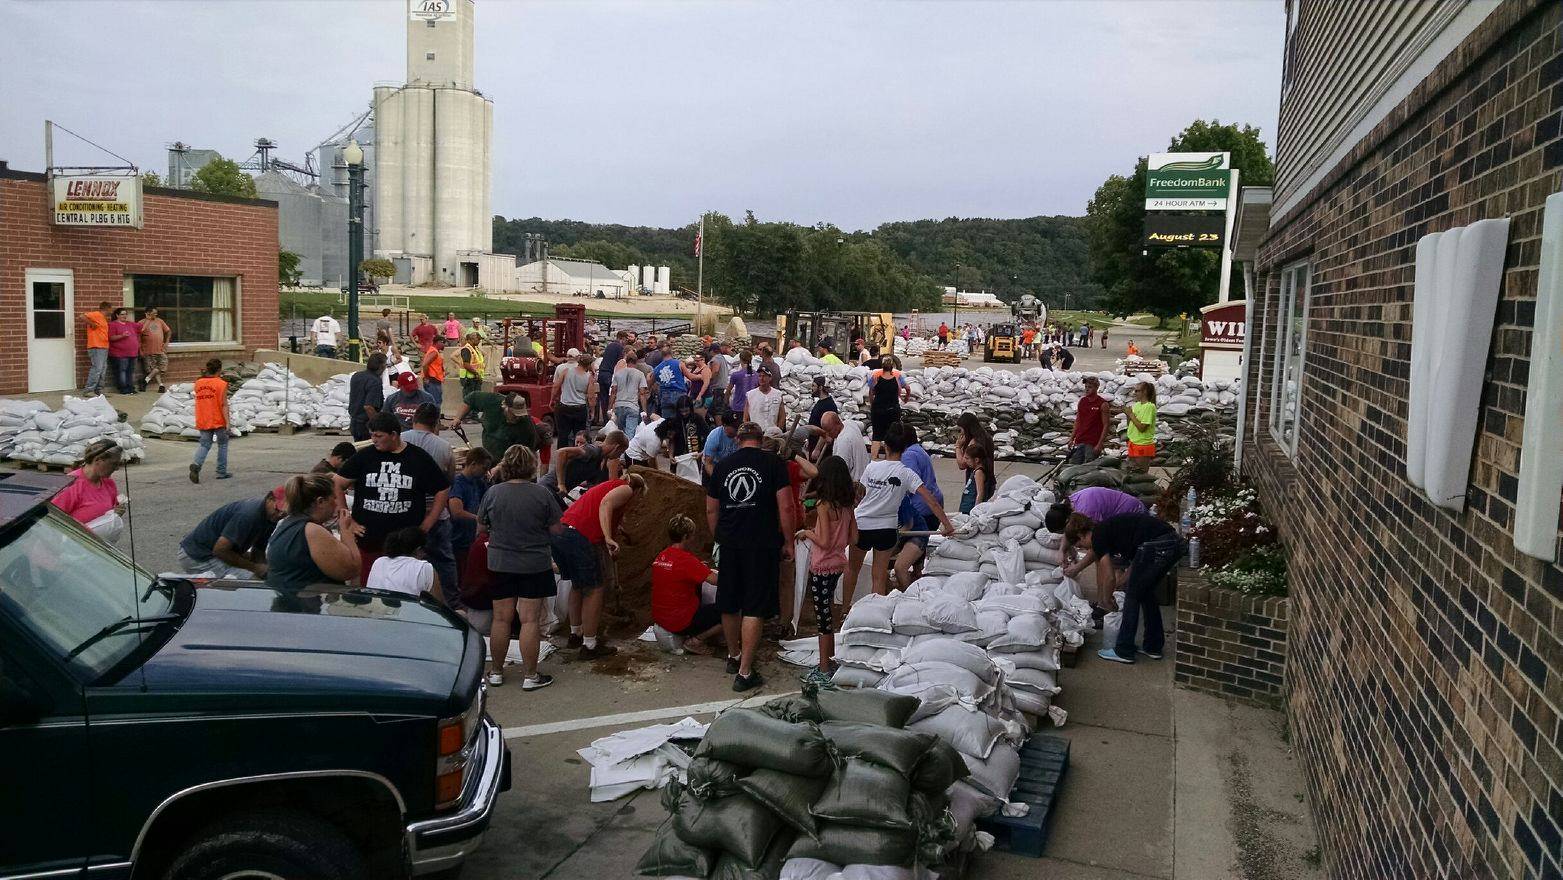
(1229, 643)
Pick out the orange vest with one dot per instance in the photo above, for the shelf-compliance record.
(210, 393)
(97, 330)
(435, 371)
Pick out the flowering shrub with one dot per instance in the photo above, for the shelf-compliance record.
(1258, 571)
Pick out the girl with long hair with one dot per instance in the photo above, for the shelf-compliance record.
(835, 529)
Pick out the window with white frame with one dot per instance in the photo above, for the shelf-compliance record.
(1291, 340)
(199, 309)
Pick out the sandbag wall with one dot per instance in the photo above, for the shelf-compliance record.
(59, 438)
(275, 396)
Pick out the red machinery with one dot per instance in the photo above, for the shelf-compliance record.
(520, 370)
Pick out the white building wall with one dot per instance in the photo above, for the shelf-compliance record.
(460, 150)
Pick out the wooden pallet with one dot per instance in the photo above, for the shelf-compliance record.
(286, 429)
(48, 467)
(173, 436)
(332, 432)
(1043, 761)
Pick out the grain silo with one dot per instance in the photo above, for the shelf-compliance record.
(664, 279)
(632, 275)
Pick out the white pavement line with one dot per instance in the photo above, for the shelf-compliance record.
(630, 717)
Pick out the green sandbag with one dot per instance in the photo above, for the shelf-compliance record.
(738, 824)
(708, 778)
(900, 750)
(865, 793)
(941, 767)
(867, 706)
(729, 867)
(853, 845)
(795, 709)
(670, 857)
(747, 738)
(933, 825)
(788, 796)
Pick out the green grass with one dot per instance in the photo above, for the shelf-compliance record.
(1145, 321)
(311, 303)
(1073, 318)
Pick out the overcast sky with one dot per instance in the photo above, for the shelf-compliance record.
(650, 112)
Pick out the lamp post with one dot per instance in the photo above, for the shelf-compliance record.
(353, 155)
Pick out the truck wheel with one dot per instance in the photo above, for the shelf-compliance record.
(268, 845)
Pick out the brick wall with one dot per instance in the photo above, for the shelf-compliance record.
(1230, 644)
(183, 235)
(1425, 661)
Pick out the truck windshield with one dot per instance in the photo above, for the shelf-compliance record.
(66, 586)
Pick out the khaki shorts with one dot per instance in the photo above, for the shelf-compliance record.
(154, 362)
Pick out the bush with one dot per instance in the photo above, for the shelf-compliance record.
(1228, 523)
(1258, 571)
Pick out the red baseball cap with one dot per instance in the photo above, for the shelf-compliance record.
(407, 381)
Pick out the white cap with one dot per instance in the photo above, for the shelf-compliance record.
(574, 352)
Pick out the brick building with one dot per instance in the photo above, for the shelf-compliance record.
(1425, 654)
(209, 263)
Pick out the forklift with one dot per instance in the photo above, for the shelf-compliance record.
(813, 328)
(1003, 346)
(521, 370)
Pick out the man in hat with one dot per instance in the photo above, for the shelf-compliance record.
(750, 511)
(827, 356)
(764, 403)
(823, 403)
(231, 541)
(506, 418)
(405, 400)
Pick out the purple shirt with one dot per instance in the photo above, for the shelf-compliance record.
(916, 458)
(1098, 504)
(742, 382)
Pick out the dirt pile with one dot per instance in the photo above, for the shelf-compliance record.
(645, 534)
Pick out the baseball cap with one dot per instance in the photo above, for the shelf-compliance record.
(574, 352)
(517, 404)
(407, 381)
(766, 370)
(750, 431)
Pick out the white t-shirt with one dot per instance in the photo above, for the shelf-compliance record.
(885, 484)
(850, 446)
(404, 574)
(645, 446)
(325, 329)
(764, 409)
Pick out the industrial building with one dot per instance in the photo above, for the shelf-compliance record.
(576, 278)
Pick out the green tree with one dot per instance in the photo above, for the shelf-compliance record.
(151, 178)
(377, 268)
(224, 178)
(287, 268)
(1173, 281)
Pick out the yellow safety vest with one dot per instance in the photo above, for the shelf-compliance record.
(472, 369)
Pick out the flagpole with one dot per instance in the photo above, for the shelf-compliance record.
(700, 275)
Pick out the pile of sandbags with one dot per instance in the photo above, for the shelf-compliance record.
(13, 415)
(174, 413)
(823, 785)
(332, 411)
(60, 438)
(1108, 472)
(273, 397)
(917, 346)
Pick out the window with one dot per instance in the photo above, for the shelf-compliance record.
(48, 310)
(1291, 336)
(200, 310)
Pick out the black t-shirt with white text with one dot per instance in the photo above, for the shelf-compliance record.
(391, 489)
(745, 484)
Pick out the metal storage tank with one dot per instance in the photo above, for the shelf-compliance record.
(298, 221)
(460, 151)
(632, 274)
(389, 168)
(664, 279)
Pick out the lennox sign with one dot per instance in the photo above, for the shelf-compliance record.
(96, 200)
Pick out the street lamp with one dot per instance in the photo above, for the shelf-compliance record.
(353, 155)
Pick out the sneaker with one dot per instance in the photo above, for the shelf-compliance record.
(495, 679)
(536, 682)
(225, 476)
(161, 389)
(602, 650)
(195, 473)
(732, 665)
(1110, 654)
(748, 682)
(575, 641)
(819, 677)
(1154, 655)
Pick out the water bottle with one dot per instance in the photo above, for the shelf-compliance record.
(1194, 552)
(1186, 522)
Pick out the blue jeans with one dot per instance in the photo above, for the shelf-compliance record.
(204, 446)
(628, 418)
(124, 374)
(437, 391)
(97, 362)
(1151, 563)
(440, 554)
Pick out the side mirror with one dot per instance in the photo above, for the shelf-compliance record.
(17, 706)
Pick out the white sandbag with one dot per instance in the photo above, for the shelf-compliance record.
(990, 625)
(973, 734)
(996, 773)
(966, 586)
(1011, 562)
(109, 526)
(1026, 632)
(871, 638)
(872, 612)
(1045, 659)
(914, 678)
(1031, 702)
(809, 869)
(949, 614)
(967, 805)
(854, 677)
(956, 653)
(951, 548)
(863, 657)
(1034, 679)
(1023, 603)
(911, 618)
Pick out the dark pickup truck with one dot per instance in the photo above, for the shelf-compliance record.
(150, 729)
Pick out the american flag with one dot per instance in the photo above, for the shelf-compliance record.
(697, 244)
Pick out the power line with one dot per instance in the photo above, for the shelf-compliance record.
(90, 143)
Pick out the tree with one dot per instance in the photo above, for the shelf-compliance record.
(224, 178)
(287, 268)
(151, 178)
(377, 268)
(1173, 281)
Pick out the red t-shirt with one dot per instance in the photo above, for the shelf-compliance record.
(582, 515)
(676, 575)
(425, 334)
(798, 480)
(1088, 420)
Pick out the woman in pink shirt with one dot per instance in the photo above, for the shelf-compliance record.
(124, 348)
(94, 491)
(452, 329)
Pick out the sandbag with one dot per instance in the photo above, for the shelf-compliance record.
(864, 657)
(1046, 660)
(949, 614)
(669, 856)
(940, 766)
(967, 805)
(707, 778)
(737, 824)
(911, 618)
(900, 750)
(990, 625)
(963, 654)
(872, 613)
(788, 796)
(1029, 701)
(970, 733)
(1011, 562)
(868, 638)
(808, 869)
(851, 677)
(867, 794)
(747, 738)
(965, 585)
(731, 867)
(856, 845)
(913, 678)
(795, 709)
(868, 707)
(1026, 632)
(997, 773)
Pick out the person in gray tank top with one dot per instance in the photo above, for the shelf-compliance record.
(302, 552)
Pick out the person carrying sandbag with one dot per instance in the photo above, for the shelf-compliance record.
(1151, 547)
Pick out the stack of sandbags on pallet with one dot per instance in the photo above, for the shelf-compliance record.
(827, 785)
(174, 414)
(1107, 472)
(920, 346)
(332, 412)
(274, 397)
(13, 415)
(60, 438)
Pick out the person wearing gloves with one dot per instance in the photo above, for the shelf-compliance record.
(231, 541)
(885, 484)
(1150, 547)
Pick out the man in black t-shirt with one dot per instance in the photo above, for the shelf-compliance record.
(823, 403)
(394, 485)
(749, 509)
(1151, 547)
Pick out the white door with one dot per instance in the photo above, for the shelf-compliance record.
(51, 332)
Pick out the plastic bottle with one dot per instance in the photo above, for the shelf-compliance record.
(1194, 552)
(1186, 522)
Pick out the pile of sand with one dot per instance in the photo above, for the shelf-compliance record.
(645, 534)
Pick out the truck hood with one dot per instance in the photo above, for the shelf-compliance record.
(346, 649)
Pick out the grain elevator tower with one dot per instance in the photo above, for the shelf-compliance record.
(432, 160)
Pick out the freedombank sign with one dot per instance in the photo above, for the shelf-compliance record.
(1188, 182)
